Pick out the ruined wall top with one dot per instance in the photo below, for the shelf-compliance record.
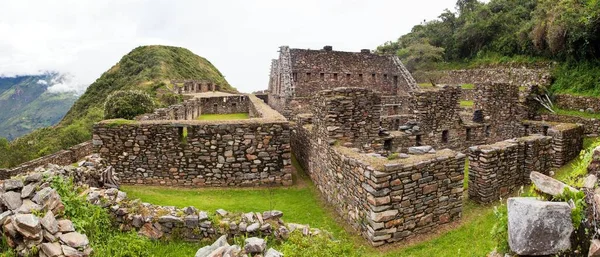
(329, 60)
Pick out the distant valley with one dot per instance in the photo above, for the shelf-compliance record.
(26, 103)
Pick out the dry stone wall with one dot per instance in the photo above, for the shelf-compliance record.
(347, 114)
(166, 153)
(591, 126)
(567, 138)
(567, 142)
(499, 103)
(63, 157)
(387, 201)
(499, 169)
(573, 102)
(194, 86)
(193, 108)
(509, 75)
(386, 204)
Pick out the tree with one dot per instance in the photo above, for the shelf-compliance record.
(127, 104)
(421, 56)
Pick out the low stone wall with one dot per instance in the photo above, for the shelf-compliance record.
(590, 126)
(567, 138)
(567, 142)
(385, 202)
(499, 169)
(63, 157)
(244, 153)
(573, 102)
(192, 108)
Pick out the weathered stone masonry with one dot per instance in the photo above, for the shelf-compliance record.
(63, 157)
(299, 73)
(499, 169)
(386, 201)
(250, 152)
(193, 108)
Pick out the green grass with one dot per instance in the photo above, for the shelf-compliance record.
(302, 204)
(425, 85)
(465, 103)
(564, 172)
(230, 116)
(467, 86)
(577, 113)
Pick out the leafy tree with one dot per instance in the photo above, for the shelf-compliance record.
(127, 104)
(420, 56)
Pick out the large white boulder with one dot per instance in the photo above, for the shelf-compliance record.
(538, 227)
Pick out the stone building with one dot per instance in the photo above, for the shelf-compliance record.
(172, 147)
(299, 73)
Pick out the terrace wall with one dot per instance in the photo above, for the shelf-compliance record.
(509, 75)
(63, 157)
(573, 102)
(498, 169)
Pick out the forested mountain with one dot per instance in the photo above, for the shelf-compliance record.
(27, 104)
(146, 68)
(511, 31)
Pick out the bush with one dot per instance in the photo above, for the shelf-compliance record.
(127, 104)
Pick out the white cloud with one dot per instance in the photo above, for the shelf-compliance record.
(42, 82)
(240, 37)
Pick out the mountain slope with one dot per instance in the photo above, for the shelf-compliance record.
(27, 104)
(147, 68)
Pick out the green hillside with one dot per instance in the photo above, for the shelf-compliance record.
(511, 32)
(27, 105)
(146, 68)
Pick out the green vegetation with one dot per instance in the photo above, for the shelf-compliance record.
(127, 104)
(425, 85)
(577, 113)
(229, 116)
(301, 204)
(467, 86)
(577, 78)
(146, 68)
(510, 33)
(27, 105)
(466, 103)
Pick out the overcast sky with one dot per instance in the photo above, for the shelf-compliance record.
(85, 38)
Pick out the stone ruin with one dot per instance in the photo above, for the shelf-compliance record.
(368, 142)
(193, 86)
(171, 147)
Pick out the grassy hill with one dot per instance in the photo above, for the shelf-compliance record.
(27, 105)
(146, 68)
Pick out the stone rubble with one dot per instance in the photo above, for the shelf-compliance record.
(30, 212)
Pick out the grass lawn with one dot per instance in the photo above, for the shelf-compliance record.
(230, 116)
(577, 113)
(467, 86)
(466, 103)
(425, 85)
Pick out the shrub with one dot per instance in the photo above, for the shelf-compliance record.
(127, 104)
